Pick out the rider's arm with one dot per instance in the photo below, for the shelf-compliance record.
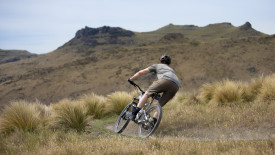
(139, 73)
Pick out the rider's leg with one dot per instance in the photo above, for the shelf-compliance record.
(132, 115)
(143, 100)
(156, 116)
(141, 103)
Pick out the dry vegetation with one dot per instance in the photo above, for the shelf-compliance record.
(102, 63)
(226, 117)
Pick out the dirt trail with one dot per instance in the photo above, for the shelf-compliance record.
(207, 134)
(131, 129)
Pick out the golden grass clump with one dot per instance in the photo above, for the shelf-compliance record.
(117, 101)
(227, 92)
(206, 92)
(69, 114)
(95, 104)
(267, 91)
(43, 110)
(19, 115)
(252, 89)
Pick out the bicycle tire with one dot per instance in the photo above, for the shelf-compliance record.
(144, 133)
(120, 126)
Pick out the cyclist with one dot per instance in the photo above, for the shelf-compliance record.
(167, 83)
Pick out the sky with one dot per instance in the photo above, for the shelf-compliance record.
(41, 26)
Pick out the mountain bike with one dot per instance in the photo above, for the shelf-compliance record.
(144, 118)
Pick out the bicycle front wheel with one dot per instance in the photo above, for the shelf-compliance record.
(122, 121)
(147, 127)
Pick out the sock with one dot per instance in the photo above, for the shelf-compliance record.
(155, 120)
(135, 110)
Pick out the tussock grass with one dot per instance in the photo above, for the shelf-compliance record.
(267, 91)
(19, 115)
(68, 114)
(232, 92)
(206, 92)
(95, 104)
(227, 92)
(252, 89)
(44, 112)
(117, 101)
(188, 116)
(212, 121)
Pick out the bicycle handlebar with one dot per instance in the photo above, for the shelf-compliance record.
(134, 84)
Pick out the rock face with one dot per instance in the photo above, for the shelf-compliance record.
(113, 32)
(101, 36)
(246, 26)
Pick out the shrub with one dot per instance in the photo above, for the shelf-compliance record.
(252, 89)
(227, 92)
(43, 112)
(206, 92)
(95, 105)
(192, 99)
(267, 91)
(117, 101)
(68, 114)
(19, 115)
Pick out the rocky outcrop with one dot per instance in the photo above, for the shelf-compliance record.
(101, 36)
(112, 31)
(246, 26)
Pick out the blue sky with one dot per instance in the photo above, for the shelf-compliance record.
(41, 26)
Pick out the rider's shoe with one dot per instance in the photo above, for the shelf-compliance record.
(155, 120)
(130, 115)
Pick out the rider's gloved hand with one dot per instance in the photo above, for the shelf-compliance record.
(131, 82)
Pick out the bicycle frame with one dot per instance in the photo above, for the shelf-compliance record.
(148, 118)
(146, 106)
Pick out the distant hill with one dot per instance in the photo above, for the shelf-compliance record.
(211, 31)
(100, 60)
(7, 56)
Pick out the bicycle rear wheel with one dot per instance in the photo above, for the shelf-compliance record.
(148, 127)
(122, 121)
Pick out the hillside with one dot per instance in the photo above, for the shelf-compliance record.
(7, 56)
(101, 60)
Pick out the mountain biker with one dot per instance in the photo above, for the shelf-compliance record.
(167, 83)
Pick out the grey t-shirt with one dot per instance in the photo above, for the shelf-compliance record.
(163, 71)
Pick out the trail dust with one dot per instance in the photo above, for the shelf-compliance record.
(205, 134)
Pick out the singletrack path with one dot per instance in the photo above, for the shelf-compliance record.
(207, 134)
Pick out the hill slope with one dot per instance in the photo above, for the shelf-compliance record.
(7, 56)
(101, 60)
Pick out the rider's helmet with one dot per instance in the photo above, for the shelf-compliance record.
(165, 59)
